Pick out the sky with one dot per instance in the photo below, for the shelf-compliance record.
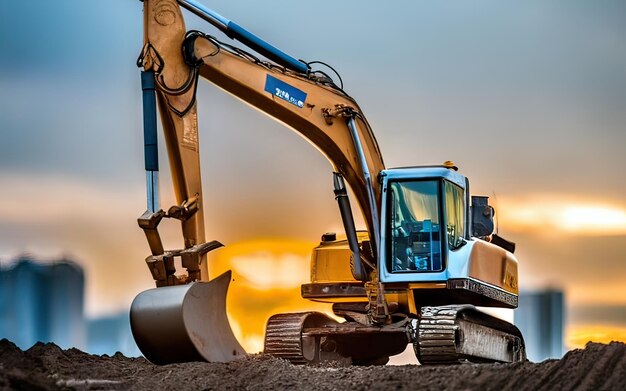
(527, 98)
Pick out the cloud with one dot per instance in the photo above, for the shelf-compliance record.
(68, 37)
(562, 213)
(587, 314)
(33, 199)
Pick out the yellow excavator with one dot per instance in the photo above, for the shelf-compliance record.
(428, 256)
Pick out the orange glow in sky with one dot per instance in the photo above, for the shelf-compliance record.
(270, 265)
(267, 275)
(568, 215)
(594, 218)
(576, 337)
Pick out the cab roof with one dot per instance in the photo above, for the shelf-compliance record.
(424, 172)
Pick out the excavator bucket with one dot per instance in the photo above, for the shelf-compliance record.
(185, 323)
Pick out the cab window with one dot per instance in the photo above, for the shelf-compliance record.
(454, 197)
(414, 226)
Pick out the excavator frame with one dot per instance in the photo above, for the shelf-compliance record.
(312, 105)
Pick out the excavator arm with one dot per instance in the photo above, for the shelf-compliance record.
(174, 82)
(306, 101)
(309, 103)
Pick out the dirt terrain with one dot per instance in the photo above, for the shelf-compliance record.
(47, 367)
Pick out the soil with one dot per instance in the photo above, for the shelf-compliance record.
(47, 367)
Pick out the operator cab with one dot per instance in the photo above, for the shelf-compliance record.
(432, 251)
(428, 242)
(424, 218)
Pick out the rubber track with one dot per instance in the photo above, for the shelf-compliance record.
(438, 333)
(283, 337)
(436, 336)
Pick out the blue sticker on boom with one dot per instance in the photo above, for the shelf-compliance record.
(284, 91)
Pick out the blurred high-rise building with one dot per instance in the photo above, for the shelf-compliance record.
(541, 319)
(42, 302)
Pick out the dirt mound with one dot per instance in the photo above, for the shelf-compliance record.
(47, 367)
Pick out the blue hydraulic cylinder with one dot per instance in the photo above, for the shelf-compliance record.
(150, 147)
(233, 30)
(257, 44)
(149, 122)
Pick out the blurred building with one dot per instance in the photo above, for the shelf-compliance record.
(42, 302)
(541, 319)
(111, 334)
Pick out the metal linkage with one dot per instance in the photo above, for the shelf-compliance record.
(233, 30)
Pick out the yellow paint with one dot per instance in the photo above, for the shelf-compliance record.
(427, 285)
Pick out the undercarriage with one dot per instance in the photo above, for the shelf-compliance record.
(440, 335)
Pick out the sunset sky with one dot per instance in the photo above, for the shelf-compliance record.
(527, 98)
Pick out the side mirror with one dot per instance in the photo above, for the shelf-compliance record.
(483, 226)
(482, 217)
